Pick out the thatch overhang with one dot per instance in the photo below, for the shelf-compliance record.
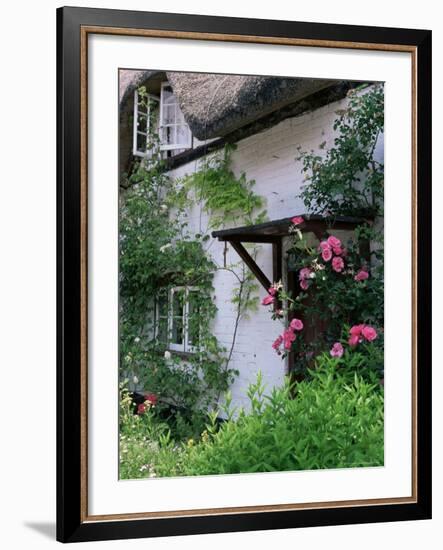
(224, 109)
(215, 105)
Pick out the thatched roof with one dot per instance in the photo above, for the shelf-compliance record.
(215, 105)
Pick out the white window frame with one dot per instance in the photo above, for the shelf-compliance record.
(147, 152)
(163, 125)
(185, 347)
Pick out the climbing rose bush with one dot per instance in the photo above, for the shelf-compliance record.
(337, 289)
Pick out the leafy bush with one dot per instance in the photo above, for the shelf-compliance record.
(334, 420)
(331, 423)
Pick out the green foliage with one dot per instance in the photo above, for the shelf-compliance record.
(334, 421)
(348, 180)
(331, 423)
(156, 254)
(227, 198)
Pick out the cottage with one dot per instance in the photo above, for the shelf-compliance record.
(185, 119)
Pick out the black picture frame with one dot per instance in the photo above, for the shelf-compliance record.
(72, 526)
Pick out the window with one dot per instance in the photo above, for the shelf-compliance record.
(146, 107)
(159, 115)
(177, 324)
(174, 132)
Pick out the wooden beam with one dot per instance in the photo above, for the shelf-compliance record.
(277, 267)
(252, 238)
(250, 262)
(277, 260)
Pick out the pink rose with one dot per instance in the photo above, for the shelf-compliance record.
(356, 330)
(288, 338)
(336, 350)
(296, 324)
(353, 340)
(369, 333)
(141, 409)
(338, 251)
(272, 291)
(362, 275)
(334, 242)
(268, 300)
(297, 220)
(304, 284)
(338, 264)
(304, 273)
(324, 245)
(326, 254)
(277, 343)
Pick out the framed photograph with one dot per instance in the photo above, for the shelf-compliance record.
(244, 274)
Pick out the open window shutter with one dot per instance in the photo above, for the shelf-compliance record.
(174, 132)
(144, 125)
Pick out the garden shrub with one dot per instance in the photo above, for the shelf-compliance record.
(335, 420)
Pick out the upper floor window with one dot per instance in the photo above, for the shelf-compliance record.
(159, 123)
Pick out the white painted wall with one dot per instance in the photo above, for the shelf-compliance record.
(268, 158)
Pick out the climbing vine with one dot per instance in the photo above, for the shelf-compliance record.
(348, 180)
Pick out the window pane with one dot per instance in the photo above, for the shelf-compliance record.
(162, 329)
(168, 135)
(153, 116)
(182, 135)
(142, 121)
(177, 330)
(178, 298)
(162, 305)
(168, 114)
(179, 117)
(167, 95)
(193, 318)
(141, 142)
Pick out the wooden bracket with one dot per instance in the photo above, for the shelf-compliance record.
(250, 262)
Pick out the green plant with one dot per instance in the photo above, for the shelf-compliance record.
(157, 253)
(334, 421)
(348, 180)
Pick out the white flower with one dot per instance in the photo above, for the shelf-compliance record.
(167, 354)
(135, 380)
(165, 247)
(137, 340)
(163, 207)
(312, 275)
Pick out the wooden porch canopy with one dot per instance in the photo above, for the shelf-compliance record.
(273, 232)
